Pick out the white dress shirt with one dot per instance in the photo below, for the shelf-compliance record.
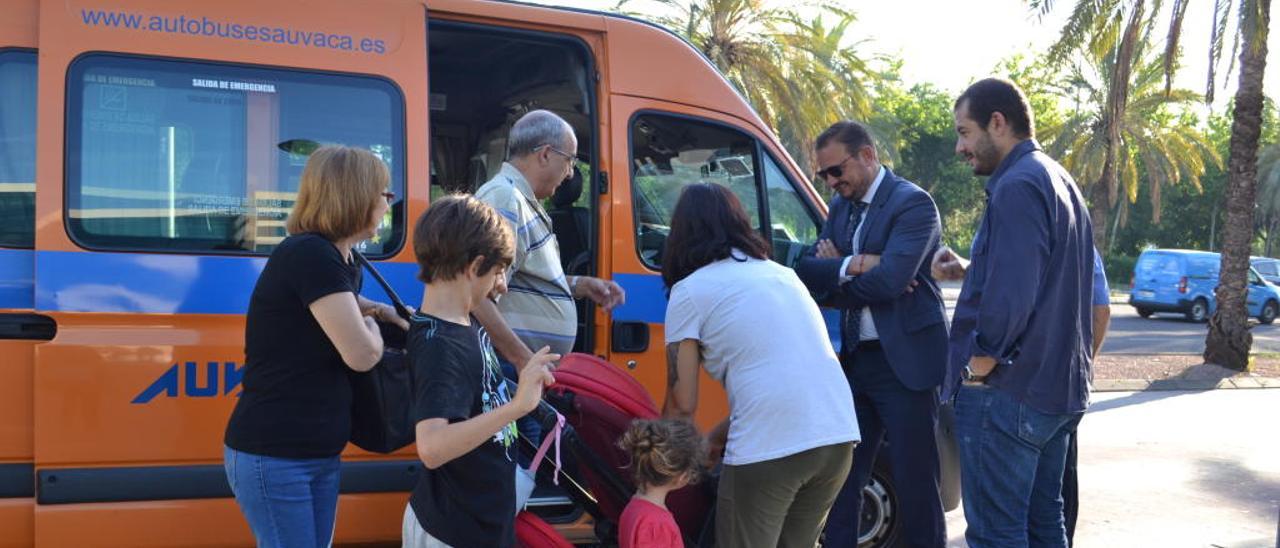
(867, 326)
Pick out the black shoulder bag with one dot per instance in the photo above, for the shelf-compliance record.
(382, 397)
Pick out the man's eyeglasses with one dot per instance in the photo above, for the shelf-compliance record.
(833, 171)
(567, 156)
(390, 196)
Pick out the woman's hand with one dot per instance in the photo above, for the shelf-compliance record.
(382, 312)
(717, 439)
(387, 314)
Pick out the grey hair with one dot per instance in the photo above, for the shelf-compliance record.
(536, 129)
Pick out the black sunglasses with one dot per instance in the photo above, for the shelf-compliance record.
(833, 171)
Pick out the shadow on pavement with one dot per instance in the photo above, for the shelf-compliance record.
(1138, 398)
(1243, 487)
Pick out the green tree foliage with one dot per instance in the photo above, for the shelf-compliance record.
(925, 140)
(1160, 141)
(799, 73)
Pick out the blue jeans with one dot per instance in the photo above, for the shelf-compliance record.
(289, 503)
(1012, 458)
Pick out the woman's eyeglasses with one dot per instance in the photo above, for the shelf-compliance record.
(390, 196)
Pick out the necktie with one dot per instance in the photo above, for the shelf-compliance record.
(853, 316)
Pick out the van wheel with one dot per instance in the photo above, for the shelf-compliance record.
(879, 519)
(1144, 312)
(1199, 311)
(1269, 312)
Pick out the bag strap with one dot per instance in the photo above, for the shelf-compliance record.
(553, 436)
(401, 309)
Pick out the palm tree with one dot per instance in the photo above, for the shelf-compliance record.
(793, 71)
(1114, 29)
(1095, 23)
(829, 82)
(1229, 338)
(1151, 144)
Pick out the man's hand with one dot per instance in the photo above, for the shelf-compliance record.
(947, 265)
(861, 264)
(827, 250)
(982, 365)
(606, 293)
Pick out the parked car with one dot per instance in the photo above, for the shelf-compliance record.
(1182, 281)
(1267, 267)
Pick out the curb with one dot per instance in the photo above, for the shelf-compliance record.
(1140, 385)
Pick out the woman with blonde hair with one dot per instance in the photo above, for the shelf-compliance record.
(307, 325)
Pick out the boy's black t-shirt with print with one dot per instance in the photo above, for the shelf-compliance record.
(469, 501)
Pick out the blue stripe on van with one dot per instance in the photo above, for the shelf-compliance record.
(831, 317)
(646, 298)
(17, 279)
(647, 302)
(171, 284)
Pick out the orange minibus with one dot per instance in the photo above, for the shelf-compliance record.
(150, 151)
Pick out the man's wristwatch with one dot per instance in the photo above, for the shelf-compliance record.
(969, 377)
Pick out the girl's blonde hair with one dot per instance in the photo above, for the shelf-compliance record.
(663, 450)
(339, 190)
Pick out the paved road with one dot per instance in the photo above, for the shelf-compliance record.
(1159, 334)
(1170, 333)
(1193, 469)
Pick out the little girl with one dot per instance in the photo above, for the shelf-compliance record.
(665, 455)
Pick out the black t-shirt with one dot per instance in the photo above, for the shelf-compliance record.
(470, 500)
(297, 399)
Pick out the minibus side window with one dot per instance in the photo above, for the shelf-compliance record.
(792, 226)
(669, 152)
(17, 148)
(200, 157)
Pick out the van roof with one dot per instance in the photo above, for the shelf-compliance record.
(1182, 252)
(743, 110)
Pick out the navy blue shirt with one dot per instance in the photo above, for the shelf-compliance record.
(1028, 291)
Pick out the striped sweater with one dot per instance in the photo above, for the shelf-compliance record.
(538, 305)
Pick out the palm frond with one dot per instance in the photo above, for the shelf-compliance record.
(1171, 45)
(1080, 25)
(1217, 36)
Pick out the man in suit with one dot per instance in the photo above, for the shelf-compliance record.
(872, 262)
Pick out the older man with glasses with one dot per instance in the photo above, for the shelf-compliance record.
(538, 309)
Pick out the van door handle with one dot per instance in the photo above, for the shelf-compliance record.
(32, 327)
(630, 337)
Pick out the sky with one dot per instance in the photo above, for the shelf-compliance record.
(951, 43)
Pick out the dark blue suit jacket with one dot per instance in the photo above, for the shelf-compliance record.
(903, 227)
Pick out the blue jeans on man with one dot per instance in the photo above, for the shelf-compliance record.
(289, 503)
(1013, 457)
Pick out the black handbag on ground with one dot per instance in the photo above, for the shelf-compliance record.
(381, 397)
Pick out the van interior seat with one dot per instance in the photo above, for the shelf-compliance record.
(572, 225)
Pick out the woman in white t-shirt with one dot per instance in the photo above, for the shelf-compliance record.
(788, 440)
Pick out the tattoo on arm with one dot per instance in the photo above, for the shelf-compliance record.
(673, 364)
